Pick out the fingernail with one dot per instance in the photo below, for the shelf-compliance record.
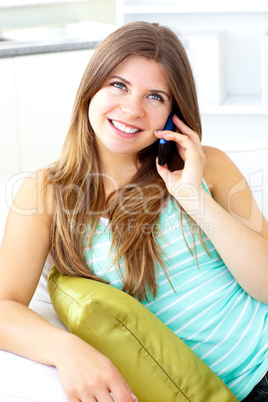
(134, 398)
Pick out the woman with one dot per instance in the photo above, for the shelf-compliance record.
(166, 225)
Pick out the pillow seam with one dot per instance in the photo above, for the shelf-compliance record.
(146, 350)
(65, 293)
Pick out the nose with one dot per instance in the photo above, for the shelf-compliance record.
(133, 107)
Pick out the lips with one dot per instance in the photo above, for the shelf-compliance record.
(124, 129)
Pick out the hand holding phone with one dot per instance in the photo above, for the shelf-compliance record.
(164, 145)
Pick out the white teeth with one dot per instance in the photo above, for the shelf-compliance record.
(124, 128)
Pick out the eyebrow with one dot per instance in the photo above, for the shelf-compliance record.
(151, 90)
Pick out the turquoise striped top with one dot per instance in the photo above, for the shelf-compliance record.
(207, 309)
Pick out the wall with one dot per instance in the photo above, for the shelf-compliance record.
(93, 10)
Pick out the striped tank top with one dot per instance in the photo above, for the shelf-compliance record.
(206, 308)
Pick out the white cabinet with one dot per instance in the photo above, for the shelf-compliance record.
(9, 145)
(36, 98)
(242, 115)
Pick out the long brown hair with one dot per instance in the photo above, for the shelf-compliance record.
(133, 210)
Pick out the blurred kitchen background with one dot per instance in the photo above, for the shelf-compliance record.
(45, 46)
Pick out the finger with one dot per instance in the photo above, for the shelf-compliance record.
(163, 171)
(86, 398)
(186, 130)
(135, 399)
(186, 147)
(169, 135)
(180, 139)
(104, 396)
(123, 393)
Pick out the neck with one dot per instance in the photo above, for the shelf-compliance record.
(117, 169)
(117, 172)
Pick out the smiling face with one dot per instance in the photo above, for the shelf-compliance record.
(133, 103)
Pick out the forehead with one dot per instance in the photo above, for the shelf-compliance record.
(140, 69)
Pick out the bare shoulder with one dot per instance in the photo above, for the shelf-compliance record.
(230, 189)
(34, 196)
(223, 178)
(26, 240)
(216, 158)
(220, 172)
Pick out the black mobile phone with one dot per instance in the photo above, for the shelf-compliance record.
(164, 145)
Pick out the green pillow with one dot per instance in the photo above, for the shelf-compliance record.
(156, 364)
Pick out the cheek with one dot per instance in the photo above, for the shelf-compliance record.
(92, 116)
(95, 111)
(95, 103)
(92, 108)
(158, 117)
(99, 106)
(149, 138)
(159, 122)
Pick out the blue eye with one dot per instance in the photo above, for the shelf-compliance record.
(156, 97)
(119, 85)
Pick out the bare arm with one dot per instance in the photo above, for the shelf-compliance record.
(85, 373)
(240, 230)
(231, 218)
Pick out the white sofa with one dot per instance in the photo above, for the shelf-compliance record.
(252, 159)
(24, 380)
(21, 379)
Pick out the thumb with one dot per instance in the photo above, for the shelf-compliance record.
(163, 171)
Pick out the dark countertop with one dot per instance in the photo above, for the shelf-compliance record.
(14, 49)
